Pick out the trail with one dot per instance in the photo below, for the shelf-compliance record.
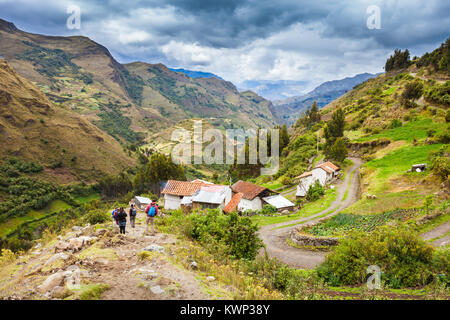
(275, 240)
(438, 234)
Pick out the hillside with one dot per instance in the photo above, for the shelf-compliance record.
(34, 129)
(81, 75)
(290, 109)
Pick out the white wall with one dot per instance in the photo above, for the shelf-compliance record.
(321, 175)
(171, 202)
(255, 204)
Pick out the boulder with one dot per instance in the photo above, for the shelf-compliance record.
(76, 228)
(55, 257)
(157, 290)
(52, 281)
(154, 247)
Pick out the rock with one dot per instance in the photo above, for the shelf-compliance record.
(36, 252)
(154, 247)
(210, 279)
(55, 257)
(61, 246)
(157, 290)
(37, 246)
(76, 228)
(100, 232)
(73, 278)
(52, 281)
(193, 265)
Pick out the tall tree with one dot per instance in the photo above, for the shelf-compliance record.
(334, 129)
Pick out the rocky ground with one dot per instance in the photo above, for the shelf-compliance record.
(91, 262)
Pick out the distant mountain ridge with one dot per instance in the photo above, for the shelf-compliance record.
(196, 74)
(274, 89)
(290, 109)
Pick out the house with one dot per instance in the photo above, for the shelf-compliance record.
(324, 173)
(175, 191)
(212, 196)
(305, 180)
(279, 202)
(142, 202)
(252, 195)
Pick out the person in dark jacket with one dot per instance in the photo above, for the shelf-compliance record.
(122, 220)
(132, 213)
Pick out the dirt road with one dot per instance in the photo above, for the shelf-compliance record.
(275, 240)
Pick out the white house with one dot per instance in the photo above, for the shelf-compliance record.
(175, 191)
(212, 196)
(324, 173)
(305, 181)
(252, 195)
(142, 202)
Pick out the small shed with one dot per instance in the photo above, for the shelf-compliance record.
(142, 202)
(215, 196)
(279, 202)
(418, 167)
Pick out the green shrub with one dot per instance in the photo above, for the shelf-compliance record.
(441, 167)
(96, 216)
(413, 90)
(268, 210)
(315, 191)
(395, 123)
(404, 258)
(236, 235)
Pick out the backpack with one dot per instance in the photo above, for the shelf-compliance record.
(133, 212)
(152, 211)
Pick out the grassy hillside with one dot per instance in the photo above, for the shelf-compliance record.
(81, 75)
(33, 128)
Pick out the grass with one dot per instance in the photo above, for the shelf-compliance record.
(96, 251)
(14, 223)
(431, 224)
(307, 210)
(82, 200)
(91, 291)
(408, 131)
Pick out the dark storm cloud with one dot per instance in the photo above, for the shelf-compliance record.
(247, 39)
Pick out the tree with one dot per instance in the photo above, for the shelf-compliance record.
(334, 129)
(338, 150)
(314, 115)
(158, 169)
(399, 60)
(284, 137)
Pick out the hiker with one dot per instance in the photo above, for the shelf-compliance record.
(132, 213)
(151, 211)
(122, 220)
(113, 215)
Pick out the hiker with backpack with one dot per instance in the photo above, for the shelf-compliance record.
(132, 213)
(113, 216)
(122, 220)
(151, 212)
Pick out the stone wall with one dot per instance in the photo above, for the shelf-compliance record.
(301, 239)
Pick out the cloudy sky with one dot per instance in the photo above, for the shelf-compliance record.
(311, 41)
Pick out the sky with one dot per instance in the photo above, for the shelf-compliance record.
(308, 41)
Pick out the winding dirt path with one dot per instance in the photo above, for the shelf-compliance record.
(438, 233)
(275, 239)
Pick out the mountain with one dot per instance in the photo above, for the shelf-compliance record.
(33, 128)
(196, 74)
(128, 101)
(290, 109)
(274, 89)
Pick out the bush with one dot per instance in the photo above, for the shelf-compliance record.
(234, 234)
(413, 90)
(441, 167)
(268, 210)
(404, 258)
(97, 216)
(338, 150)
(395, 123)
(315, 191)
(286, 181)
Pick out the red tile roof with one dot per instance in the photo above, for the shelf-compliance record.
(331, 165)
(182, 188)
(249, 190)
(321, 166)
(304, 174)
(232, 205)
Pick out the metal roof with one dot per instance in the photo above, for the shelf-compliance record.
(278, 201)
(213, 194)
(143, 199)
